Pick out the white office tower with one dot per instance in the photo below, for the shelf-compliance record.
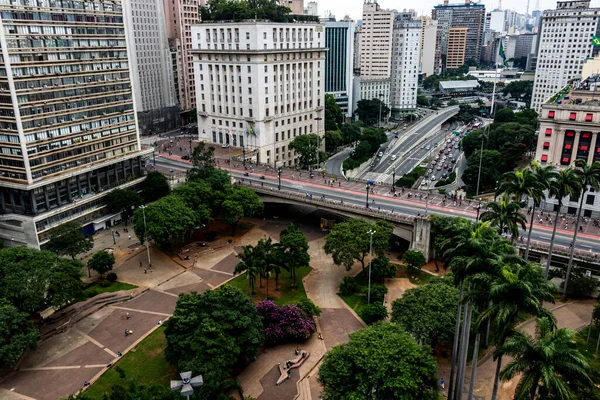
(565, 42)
(259, 85)
(68, 130)
(151, 65)
(429, 29)
(376, 52)
(406, 47)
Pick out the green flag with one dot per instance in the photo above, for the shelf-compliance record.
(595, 41)
(502, 55)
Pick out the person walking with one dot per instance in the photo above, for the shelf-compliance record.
(127, 315)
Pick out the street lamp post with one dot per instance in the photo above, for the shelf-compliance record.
(113, 235)
(367, 195)
(143, 207)
(243, 155)
(394, 181)
(478, 208)
(370, 232)
(480, 160)
(318, 147)
(279, 178)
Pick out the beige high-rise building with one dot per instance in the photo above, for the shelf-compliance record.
(457, 45)
(376, 52)
(179, 16)
(429, 29)
(297, 6)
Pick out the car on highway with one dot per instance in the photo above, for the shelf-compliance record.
(433, 162)
(428, 147)
(446, 152)
(380, 154)
(432, 178)
(429, 171)
(439, 167)
(453, 161)
(456, 146)
(425, 182)
(445, 166)
(444, 175)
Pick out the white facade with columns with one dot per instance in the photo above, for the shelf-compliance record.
(259, 85)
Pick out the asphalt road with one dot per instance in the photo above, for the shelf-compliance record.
(334, 163)
(585, 242)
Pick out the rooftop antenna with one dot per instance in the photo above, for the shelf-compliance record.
(499, 4)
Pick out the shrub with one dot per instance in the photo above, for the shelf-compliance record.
(104, 283)
(382, 268)
(210, 236)
(582, 285)
(349, 286)
(111, 277)
(374, 312)
(378, 292)
(284, 324)
(309, 308)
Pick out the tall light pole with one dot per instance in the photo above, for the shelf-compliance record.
(394, 181)
(370, 232)
(480, 160)
(279, 178)
(380, 101)
(318, 147)
(143, 207)
(478, 208)
(368, 195)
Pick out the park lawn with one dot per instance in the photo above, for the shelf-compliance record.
(145, 363)
(95, 289)
(356, 301)
(284, 295)
(416, 276)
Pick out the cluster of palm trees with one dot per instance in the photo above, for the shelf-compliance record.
(268, 258)
(496, 287)
(534, 185)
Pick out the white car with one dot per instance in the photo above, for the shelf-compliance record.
(424, 183)
(432, 178)
(428, 147)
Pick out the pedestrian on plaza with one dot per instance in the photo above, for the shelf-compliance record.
(127, 315)
(145, 271)
(580, 228)
(443, 383)
(126, 332)
(140, 263)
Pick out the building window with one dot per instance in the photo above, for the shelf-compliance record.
(544, 157)
(590, 199)
(546, 145)
(570, 133)
(589, 117)
(551, 114)
(572, 116)
(586, 135)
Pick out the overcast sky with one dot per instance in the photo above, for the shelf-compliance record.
(339, 8)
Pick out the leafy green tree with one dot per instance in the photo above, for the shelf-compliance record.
(545, 363)
(422, 100)
(229, 10)
(33, 280)
(309, 308)
(203, 162)
(379, 362)
(169, 222)
(374, 312)
(238, 202)
(306, 146)
(333, 113)
(155, 186)
(333, 139)
(369, 111)
(132, 391)
(349, 241)
(197, 194)
(504, 115)
(293, 250)
(17, 334)
(122, 200)
(589, 177)
(381, 268)
(506, 215)
(520, 91)
(428, 312)
(212, 334)
(453, 103)
(490, 171)
(414, 259)
(68, 239)
(351, 132)
(375, 137)
(565, 184)
(101, 262)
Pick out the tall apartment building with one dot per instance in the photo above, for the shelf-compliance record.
(457, 47)
(406, 48)
(565, 41)
(376, 52)
(68, 126)
(259, 85)
(152, 68)
(179, 16)
(312, 8)
(296, 6)
(468, 15)
(569, 130)
(339, 41)
(429, 29)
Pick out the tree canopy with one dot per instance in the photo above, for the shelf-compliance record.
(349, 241)
(238, 202)
(333, 113)
(101, 262)
(428, 312)
(69, 240)
(369, 110)
(379, 362)
(17, 334)
(155, 186)
(307, 146)
(230, 10)
(210, 334)
(520, 91)
(122, 200)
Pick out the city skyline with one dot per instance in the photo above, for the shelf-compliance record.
(341, 8)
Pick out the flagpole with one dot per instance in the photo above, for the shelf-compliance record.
(494, 90)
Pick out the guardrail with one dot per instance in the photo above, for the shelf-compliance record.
(563, 251)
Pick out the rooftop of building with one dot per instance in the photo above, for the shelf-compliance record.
(257, 22)
(579, 92)
(467, 5)
(459, 84)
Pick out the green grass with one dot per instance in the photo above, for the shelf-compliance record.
(356, 301)
(145, 363)
(589, 349)
(285, 293)
(415, 276)
(96, 289)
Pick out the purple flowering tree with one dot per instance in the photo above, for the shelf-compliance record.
(284, 324)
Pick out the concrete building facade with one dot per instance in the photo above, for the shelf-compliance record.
(429, 29)
(68, 127)
(406, 48)
(260, 85)
(457, 47)
(180, 15)
(152, 68)
(565, 41)
(339, 41)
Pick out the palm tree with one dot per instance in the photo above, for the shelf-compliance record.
(249, 263)
(546, 362)
(589, 176)
(518, 287)
(565, 184)
(506, 215)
